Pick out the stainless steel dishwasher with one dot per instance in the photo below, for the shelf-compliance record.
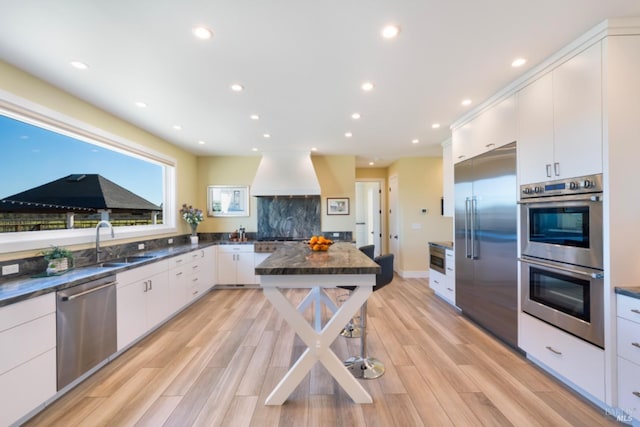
(86, 327)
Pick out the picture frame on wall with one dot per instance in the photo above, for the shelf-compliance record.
(337, 206)
(227, 200)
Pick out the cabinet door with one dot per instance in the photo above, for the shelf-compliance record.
(157, 299)
(245, 270)
(131, 309)
(226, 268)
(577, 106)
(257, 259)
(535, 131)
(178, 287)
(207, 271)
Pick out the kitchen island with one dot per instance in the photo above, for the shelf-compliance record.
(294, 265)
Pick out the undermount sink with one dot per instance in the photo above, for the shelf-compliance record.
(120, 262)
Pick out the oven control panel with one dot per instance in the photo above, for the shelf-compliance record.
(578, 185)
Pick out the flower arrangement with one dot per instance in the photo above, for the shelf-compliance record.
(192, 215)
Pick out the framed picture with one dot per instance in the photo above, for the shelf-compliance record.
(228, 200)
(337, 206)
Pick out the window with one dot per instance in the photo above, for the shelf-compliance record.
(59, 178)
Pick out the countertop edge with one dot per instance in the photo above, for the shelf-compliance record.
(26, 288)
(630, 291)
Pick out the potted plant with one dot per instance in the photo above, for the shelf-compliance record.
(58, 259)
(193, 216)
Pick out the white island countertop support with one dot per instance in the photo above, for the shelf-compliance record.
(295, 266)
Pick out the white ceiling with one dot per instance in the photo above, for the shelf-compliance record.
(301, 63)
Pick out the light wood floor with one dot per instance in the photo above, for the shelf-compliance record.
(215, 363)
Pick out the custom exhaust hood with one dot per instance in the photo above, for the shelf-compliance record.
(289, 173)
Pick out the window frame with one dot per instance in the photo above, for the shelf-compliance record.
(29, 112)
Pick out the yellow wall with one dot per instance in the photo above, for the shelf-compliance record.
(35, 90)
(336, 175)
(419, 186)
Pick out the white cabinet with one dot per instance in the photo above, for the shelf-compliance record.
(142, 300)
(628, 322)
(493, 128)
(577, 361)
(235, 265)
(444, 285)
(28, 356)
(203, 272)
(559, 120)
(258, 257)
(447, 179)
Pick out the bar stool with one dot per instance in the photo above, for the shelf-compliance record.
(364, 366)
(352, 330)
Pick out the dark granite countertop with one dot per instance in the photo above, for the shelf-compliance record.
(443, 245)
(630, 291)
(297, 258)
(28, 287)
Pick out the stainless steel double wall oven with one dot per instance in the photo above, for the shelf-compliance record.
(561, 260)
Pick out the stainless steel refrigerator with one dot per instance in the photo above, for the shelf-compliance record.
(485, 241)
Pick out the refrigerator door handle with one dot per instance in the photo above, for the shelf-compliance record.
(472, 215)
(466, 228)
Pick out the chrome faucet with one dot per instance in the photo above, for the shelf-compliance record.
(101, 224)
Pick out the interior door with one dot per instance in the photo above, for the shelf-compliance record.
(369, 215)
(394, 238)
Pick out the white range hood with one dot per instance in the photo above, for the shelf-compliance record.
(285, 173)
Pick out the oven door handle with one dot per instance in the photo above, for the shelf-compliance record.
(569, 198)
(592, 275)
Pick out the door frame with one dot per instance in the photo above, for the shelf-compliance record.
(383, 206)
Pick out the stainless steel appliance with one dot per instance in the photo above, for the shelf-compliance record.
(486, 241)
(86, 327)
(566, 296)
(561, 261)
(437, 259)
(562, 221)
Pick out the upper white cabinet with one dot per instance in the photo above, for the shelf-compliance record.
(559, 120)
(493, 128)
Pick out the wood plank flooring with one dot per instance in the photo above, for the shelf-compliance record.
(215, 363)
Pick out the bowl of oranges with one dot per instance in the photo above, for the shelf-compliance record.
(319, 243)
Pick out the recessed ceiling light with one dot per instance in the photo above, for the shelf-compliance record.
(519, 62)
(435, 125)
(202, 33)
(348, 134)
(79, 65)
(177, 127)
(415, 141)
(266, 135)
(237, 87)
(201, 142)
(255, 117)
(254, 149)
(390, 31)
(314, 149)
(355, 116)
(141, 104)
(367, 86)
(371, 163)
(466, 102)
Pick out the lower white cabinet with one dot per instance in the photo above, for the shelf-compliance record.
(203, 273)
(142, 300)
(444, 285)
(577, 361)
(28, 356)
(628, 322)
(236, 265)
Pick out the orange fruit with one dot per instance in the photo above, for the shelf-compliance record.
(313, 240)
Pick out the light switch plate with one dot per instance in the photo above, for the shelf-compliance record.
(170, 241)
(141, 246)
(10, 269)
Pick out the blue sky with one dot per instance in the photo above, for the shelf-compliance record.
(32, 156)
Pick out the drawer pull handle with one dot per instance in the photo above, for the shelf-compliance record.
(436, 282)
(553, 350)
(636, 393)
(635, 310)
(636, 344)
(450, 290)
